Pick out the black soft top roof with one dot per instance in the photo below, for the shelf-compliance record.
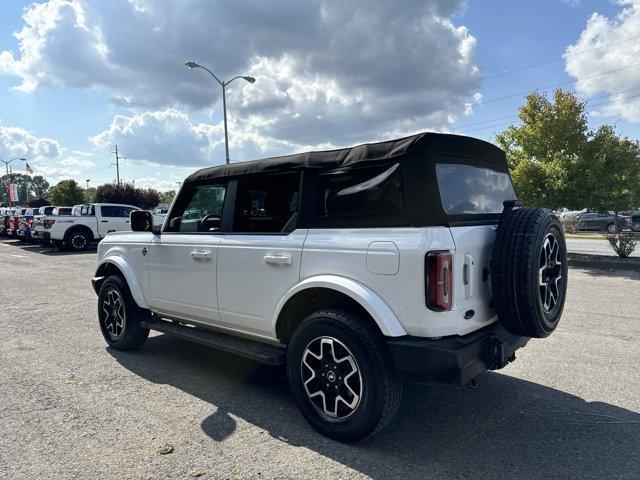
(391, 150)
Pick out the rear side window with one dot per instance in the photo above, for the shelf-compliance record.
(465, 189)
(114, 211)
(267, 203)
(363, 193)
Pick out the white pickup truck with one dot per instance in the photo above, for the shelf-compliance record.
(89, 223)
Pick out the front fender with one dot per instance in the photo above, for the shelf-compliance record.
(129, 274)
(384, 317)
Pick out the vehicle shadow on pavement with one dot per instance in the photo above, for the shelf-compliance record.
(505, 428)
(55, 251)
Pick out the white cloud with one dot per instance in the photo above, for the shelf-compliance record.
(585, 58)
(18, 142)
(169, 138)
(327, 72)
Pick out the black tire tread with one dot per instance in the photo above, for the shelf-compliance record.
(514, 257)
(136, 334)
(373, 341)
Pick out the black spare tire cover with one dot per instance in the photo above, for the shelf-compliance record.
(529, 272)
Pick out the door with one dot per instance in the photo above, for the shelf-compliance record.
(259, 260)
(182, 259)
(113, 218)
(587, 221)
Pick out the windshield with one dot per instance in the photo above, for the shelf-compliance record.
(465, 189)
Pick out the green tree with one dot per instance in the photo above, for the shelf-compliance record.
(166, 197)
(66, 192)
(556, 161)
(128, 194)
(90, 194)
(38, 186)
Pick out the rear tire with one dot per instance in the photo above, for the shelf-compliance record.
(119, 316)
(342, 376)
(529, 272)
(77, 240)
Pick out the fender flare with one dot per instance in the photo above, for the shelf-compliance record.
(129, 275)
(384, 317)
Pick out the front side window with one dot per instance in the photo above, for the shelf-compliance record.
(201, 211)
(465, 189)
(363, 193)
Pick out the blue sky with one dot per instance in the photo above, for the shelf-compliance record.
(84, 75)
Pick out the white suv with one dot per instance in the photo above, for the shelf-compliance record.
(355, 267)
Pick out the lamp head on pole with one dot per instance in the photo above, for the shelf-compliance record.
(250, 79)
(191, 64)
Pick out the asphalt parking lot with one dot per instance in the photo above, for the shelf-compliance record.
(569, 407)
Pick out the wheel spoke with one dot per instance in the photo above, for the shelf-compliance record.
(550, 272)
(331, 377)
(114, 313)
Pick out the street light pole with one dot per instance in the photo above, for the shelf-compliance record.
(223, 84)
(224, 113)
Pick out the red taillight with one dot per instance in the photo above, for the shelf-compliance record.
(48, 223)
(28, 222)
(439, 280)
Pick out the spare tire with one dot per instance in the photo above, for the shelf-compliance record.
(529, 272)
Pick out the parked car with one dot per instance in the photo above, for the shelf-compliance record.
(14, 221)
(603, 222)
(88, 223)
(45, 214)
(635, 221)
(25, 224)
(565, 214)
(354, 267)
(5, 214)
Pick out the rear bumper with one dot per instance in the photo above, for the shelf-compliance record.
(455, 360)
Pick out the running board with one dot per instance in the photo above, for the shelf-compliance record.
(258, 351)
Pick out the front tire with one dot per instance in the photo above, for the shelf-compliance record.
(342, 376)
(119, 316)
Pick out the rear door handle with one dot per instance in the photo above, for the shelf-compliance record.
(104, 221)
(278, 259)
(201, 254)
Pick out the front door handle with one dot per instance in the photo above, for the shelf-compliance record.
(278, 259)
(104, 221)
(201, 254)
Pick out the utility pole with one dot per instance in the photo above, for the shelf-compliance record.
(118, 165)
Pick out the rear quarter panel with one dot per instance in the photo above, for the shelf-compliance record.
(347, 252)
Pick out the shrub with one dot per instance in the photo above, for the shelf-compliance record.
(623, 243)
(571, 224)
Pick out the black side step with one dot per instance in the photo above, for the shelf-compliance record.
(260, 352)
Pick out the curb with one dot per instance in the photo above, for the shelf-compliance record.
(603, 262)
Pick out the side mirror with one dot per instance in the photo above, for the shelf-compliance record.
(141, 221)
